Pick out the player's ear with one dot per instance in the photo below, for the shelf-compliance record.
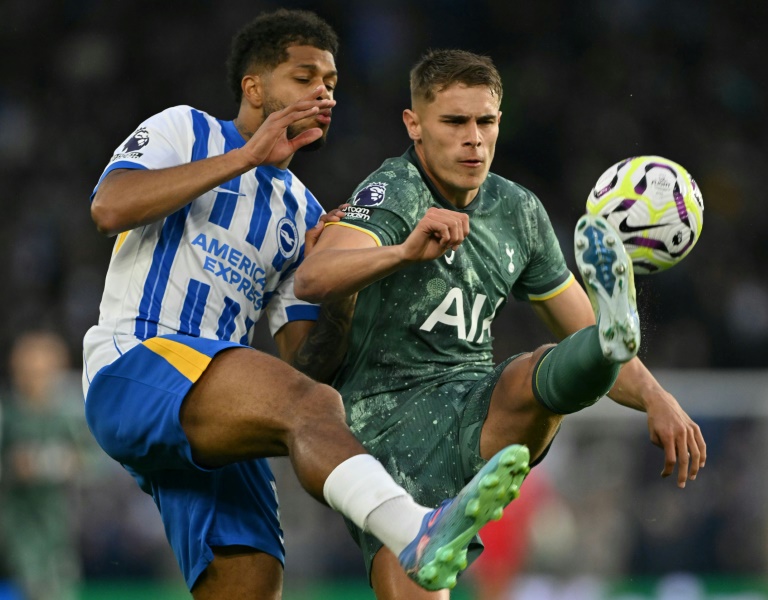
(253, 92)
(412, 125)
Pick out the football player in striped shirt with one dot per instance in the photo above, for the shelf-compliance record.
(432, 246)
(211, 225)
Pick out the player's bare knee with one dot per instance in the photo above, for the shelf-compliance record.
(316, 403)
(515, 387)
(330, 402)
(532, 359)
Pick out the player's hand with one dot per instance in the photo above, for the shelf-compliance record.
(312, 235)
(676, 433)
(438, 231)
(270, 144)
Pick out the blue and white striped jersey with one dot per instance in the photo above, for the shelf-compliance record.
(211, 268)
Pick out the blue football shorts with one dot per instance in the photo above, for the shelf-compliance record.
(132, 409)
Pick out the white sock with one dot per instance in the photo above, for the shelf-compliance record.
(362, 490)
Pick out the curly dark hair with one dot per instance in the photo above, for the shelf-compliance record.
(262, 44)
(439, 69)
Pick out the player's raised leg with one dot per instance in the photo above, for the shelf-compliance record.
(536, 389)
(248, 404)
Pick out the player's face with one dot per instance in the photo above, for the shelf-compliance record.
(455, 138)
(307, 67)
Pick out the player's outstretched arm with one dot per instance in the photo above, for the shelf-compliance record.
(129, 198)
(345, 260)
(669, 425)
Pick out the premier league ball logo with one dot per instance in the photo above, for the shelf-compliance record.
(371, 195)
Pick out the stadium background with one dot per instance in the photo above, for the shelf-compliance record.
(586, 84)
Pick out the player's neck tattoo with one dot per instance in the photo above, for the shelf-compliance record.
(243, 130)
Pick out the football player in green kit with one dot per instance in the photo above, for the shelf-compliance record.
(433, 244)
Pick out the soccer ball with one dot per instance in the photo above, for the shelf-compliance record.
(656, 207)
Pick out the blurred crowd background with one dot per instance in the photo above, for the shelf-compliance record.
(587, 84)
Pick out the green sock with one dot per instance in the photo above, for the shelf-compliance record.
(574, 374)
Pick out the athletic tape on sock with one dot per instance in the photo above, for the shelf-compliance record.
(358, 486)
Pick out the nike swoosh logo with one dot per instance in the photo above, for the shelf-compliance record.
(624, 227)
(223, 191)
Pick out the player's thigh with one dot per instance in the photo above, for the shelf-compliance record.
(515, 416)
(240, 573)
(390, 582)
(247, 403)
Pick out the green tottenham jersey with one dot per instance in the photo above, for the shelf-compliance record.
(430, 322)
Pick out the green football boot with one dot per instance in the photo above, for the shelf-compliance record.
(439, 551)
